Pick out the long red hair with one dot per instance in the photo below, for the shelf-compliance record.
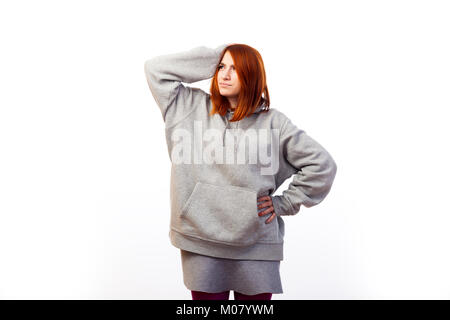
(250, 70)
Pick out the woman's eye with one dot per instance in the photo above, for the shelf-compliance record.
(220, 67)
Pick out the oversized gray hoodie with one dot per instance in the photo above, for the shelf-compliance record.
(220, 168)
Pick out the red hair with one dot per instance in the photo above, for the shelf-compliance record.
(252, 77)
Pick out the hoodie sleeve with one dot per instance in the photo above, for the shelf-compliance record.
(165, 73)
(315, 174)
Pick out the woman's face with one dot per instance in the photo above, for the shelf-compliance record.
(227, 78)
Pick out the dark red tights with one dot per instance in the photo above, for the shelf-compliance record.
(198, 295)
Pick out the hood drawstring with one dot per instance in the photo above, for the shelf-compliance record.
(258, 109)
(224, 131)
(227, 126)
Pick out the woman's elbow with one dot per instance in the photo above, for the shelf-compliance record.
(332, 170)
(148, 66)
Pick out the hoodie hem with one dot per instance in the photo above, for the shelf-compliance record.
(257, 251)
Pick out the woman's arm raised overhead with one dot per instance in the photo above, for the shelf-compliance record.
(165, 73)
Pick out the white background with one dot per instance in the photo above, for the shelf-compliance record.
(84, 168)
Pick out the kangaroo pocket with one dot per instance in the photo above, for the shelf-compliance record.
(225, 214)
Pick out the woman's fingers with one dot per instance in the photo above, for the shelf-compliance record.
(271, 218)
(265, 198)
(267, 203)
(267, 211)
(264, 204)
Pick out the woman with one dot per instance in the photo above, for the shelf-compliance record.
(224, 217)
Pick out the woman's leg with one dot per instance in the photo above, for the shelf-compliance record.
(261, 296)
(199, 295)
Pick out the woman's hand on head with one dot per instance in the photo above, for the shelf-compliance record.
(266, 202)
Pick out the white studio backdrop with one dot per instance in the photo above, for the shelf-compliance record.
(84, 168)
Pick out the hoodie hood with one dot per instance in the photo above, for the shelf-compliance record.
(258, 109)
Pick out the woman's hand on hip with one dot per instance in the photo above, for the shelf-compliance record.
(266, 202)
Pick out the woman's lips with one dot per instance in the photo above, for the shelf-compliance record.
(224, 85)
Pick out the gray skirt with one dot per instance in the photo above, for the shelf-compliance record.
(213, 275)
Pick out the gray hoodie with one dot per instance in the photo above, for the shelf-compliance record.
(220, 168)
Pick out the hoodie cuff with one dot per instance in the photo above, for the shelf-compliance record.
(282, 206)
(220, 48)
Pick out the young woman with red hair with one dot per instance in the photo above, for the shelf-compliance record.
(225, 219)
